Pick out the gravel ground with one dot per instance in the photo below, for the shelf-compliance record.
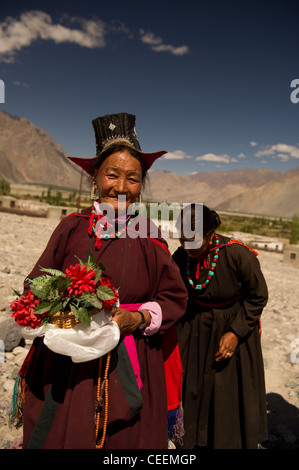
(22, 240)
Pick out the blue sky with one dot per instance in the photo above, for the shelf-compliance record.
(210, 82)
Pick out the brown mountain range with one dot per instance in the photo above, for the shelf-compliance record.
(28, 154)
(252, 190)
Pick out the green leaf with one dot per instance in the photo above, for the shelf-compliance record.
(94, 301)
(73, 308)
(53, 272)
(83, 315)
(40, 280)
(98, 274)
(90, 261)
(16, 292)
(101, 266)
(56, 307)
(43, 307)
(105, 293)
(39, 291)
(66, 303)
(85, 299)
(62, 283)
(80, 261)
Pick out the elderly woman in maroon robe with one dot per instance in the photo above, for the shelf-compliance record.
(64, 408)
(224, 397)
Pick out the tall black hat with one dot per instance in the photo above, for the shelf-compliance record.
(115, 129)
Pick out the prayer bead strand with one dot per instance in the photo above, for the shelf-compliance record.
(100, 399)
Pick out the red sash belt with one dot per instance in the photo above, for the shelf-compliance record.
(172, 362)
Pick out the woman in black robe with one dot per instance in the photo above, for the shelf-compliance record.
(224, 397)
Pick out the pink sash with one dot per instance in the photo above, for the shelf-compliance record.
(131, 346)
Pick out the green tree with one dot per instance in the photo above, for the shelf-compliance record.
(49, 195)
(4, 187)
(58, 198)
(294, 230)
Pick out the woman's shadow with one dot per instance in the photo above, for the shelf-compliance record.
(283, 424)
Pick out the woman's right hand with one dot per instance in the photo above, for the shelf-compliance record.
(227, 346)
(128, 321)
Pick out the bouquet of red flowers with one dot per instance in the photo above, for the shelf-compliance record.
(81, 290)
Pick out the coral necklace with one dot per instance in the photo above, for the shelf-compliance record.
(109, 235)
(211, 271)
(95, 228)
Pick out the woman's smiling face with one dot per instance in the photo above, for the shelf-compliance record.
(119, 175)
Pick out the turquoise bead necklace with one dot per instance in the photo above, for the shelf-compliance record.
(211, 271)
(107, 236)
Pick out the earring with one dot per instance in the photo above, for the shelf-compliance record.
(93, 195)
(211, 240)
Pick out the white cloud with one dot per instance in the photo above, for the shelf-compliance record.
(266, 151)
(149, 38)
(241, 155)
(176, 155)
(211, 157)
(283, 157)
(157, 44)
(290, 149)
(23, 84)
(282, 151)
(253, 144)
(16, 34)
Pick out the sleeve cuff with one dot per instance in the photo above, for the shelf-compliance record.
(155, 312)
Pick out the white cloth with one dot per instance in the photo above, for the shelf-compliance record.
(82, 342)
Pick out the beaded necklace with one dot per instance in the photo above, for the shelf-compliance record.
(211, 271)
(106, 236)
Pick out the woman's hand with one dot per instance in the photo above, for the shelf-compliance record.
(128, 321)
(227, 346)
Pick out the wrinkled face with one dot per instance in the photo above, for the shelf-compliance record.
(119, 175)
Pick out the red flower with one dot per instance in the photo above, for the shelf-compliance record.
(23, 310)
(81, 280)
(107, 304)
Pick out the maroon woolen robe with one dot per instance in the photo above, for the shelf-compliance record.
(60, 400)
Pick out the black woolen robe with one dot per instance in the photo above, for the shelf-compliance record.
(60, 400)
(224, 402)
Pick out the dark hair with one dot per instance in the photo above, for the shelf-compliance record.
(113, 148)
(211, 219)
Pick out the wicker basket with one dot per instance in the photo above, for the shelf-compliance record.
(64, 320)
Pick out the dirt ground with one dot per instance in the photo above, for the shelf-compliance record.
(23, 238)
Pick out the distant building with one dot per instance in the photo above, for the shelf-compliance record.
(33, 208)
(268, 245)
(291, 255)
(22, 207)
(59, 212)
